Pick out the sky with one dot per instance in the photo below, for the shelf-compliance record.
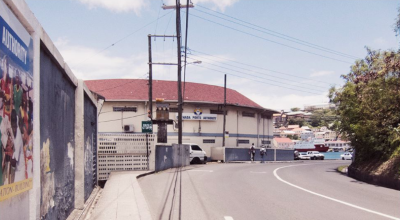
(280, 54)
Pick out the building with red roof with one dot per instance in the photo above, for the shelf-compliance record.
(282, 143)
(126, 103)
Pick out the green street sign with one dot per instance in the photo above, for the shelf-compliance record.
(147, 127)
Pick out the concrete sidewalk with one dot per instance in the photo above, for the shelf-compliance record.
(122, 198)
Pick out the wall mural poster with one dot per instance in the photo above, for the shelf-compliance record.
(16, 106)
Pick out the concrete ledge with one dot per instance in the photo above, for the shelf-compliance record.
(122, 198)
(372, 179)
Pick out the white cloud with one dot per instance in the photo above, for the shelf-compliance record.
(322, 73)
(215, 4)
(380, 41)
(116, 5)
(88, 63)
(286, 102)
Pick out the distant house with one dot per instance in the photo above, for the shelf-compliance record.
(282, 143)
(319, 106)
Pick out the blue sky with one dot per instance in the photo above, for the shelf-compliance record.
(280, 54)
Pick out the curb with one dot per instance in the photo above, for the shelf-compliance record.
(145, 174)
(258, 162)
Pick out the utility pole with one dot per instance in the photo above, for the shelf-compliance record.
(177, 7)
(178, 41)
(223, 134)
(150, 81)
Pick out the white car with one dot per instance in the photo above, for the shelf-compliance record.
(303, 156)
(197, 155)
(346, 156)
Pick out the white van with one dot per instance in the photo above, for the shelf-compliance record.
(197, 155)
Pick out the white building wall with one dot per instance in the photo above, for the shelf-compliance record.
(194, 131)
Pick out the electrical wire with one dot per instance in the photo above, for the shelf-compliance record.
(270, 75)
(276, 34)
(122, 39)
(257, 80)
(240, 72)
(272, 41)
(257, 67)
(125, 118)
(186, 36)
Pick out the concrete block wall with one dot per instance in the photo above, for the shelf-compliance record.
(64, 131)
(242, 154)
(171, 156)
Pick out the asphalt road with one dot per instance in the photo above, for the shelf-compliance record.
(308, 190)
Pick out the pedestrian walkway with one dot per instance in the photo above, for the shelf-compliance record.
(122, 198)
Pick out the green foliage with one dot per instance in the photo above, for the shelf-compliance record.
(322, 117)
(295, 109)
(298, 121)
(369, 105)
(397, 24)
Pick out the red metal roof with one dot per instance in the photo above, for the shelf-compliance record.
(137, 89)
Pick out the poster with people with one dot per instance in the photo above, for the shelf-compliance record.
(16, 106)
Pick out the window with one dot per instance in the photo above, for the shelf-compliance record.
(208, 141)
(243, 141)
(248, 114)
(195, 147)
(124, 109)
(266, 116)
(173, 109)
(265, 142)
(218, 112)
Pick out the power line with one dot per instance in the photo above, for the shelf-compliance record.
(257, 80)
(250, 65)
(264, 78)
(275, 42)
(123, 38)
(200, 57)
(124, 118)
(283, 36)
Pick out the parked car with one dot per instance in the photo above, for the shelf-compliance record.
(315, 155)
(197, 155)
(346, 156)
(303, 156)
(296, 155)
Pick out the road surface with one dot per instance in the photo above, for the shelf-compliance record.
(305, 190)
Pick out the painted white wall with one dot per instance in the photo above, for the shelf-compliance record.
(110, 121)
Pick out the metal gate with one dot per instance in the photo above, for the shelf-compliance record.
(122, 152)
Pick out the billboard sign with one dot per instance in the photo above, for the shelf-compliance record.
(16, 106)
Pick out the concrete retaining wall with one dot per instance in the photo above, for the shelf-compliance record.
(168, 156)
(57, 140)
(90, 151)
(376, 180)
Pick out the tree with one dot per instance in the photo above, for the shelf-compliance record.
(297, 121)
(369, 105)
(295, 109)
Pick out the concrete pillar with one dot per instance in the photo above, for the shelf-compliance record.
(79, 147)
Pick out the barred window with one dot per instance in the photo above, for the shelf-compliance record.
(173, 109)
(248, 114)
(265, 142)
(266, 116)
(218, 112)
(243, 141)
(208, 141)
(124, 109)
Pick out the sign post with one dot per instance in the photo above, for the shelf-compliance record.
(147, 127)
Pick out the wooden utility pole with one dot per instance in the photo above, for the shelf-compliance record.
(178, 41)
(223, 134)
(150, 81)
(177, 7)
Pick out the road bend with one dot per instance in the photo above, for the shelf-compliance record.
(307, 190)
